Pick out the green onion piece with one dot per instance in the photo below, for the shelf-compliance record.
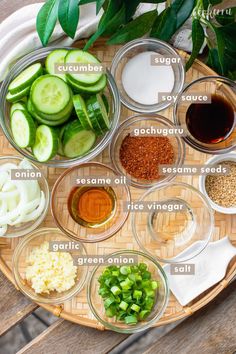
(123, 305)
(135, 308)
(143, 314)
(137, 294)
(132, 319)
(125, 270)
(155, 285)
(115, 290)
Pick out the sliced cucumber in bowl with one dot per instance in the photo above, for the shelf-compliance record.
(76, 140)
(81, 111)
(18, 96)
(18, 105)
(50, 94)
(23, 128)
(25, 78)
(81, 57)
(57, 56)
(46, 143)
(80, 88)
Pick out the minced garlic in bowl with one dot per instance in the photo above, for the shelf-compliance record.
(50, 271)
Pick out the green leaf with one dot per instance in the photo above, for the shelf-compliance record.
(153, 1)
(228, 16)
(68, 15)
(198, 37)
(84, 2)
(112, 8)
(116, 22)
(232, 75)
(134, 29)
(183, 9)
(131, 7)
(228, 32)
(215, 2)
(220, 47)
(46, 20)
(213, 60)
(165, 25)
(99, 4)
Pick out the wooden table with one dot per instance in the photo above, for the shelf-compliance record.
(211, 330)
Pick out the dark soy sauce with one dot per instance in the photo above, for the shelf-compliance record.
(212, 122)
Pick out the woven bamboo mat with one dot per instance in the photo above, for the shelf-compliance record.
(77, 310)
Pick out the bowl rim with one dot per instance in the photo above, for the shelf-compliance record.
(56, 220)
(140, 117)
(173, 259)
(164, 281)
(38, 55)
(21, 245)
(188, 140)
(130, 46)
(41, 218)
(230, 156)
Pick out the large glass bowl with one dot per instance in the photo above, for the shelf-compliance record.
(143, 121)
(130, 50)
(60, 196)
(23, 250)
(182, 217)
(216, 85)
(23, 229)
(110, 91)
(96, 302)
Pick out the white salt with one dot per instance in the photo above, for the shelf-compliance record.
(143, 81)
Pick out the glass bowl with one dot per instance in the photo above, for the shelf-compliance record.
(27, 227)
(130, 50)
(63, 162)
(182, 217)
(215, 160)
(96, 302)
(207, 85)
(141, 121)
(60, 196)
(23, 250)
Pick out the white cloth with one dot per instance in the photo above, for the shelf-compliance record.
(18, 35)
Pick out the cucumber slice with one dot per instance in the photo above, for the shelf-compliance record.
(56, 57)
(79, 88)
(76, 140)
(25, 78)
(50, 94)
(93, 119)
(19, 105)
(106, 103)
(81, 111)
(46, 143)
(23, 128)
(82, 57)
(61, 134)
(99, 109)
(18, 96)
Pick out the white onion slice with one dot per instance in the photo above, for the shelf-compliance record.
(21, 201)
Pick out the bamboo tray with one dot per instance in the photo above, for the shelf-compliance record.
(77, 309)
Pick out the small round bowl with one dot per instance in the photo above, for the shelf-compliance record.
(96, 303)
(183, 217)
(111, 92)
(215, 160)
(23, 250)
(59, 203)
(130, 50)
(25, 228)
(207, 85)
(141, 121)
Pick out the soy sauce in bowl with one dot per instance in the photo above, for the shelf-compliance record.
(211, 123)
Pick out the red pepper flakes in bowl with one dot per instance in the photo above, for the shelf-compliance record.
(141, 156)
